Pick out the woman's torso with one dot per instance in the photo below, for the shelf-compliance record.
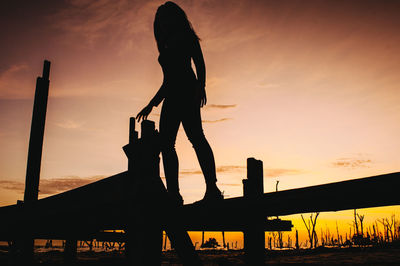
(175, 60)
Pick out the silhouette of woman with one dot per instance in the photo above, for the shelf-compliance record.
(183, 94)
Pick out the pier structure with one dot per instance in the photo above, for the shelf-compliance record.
(136, 203)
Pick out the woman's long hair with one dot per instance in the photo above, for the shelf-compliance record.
(170, 19)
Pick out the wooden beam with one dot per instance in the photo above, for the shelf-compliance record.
(367, 192)
(374, 191)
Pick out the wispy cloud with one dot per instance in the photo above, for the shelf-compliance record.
(267, 85)
(216, 121)
(57, 185)
(230, 185)
(51, 186)
(69, 124)
(12, 185)
(114, 22)
(268, 172)
(219, 169)
(15, 83)
(230, 168)
(276, 172)
(220, 106)
(190, 172)
(352, 162)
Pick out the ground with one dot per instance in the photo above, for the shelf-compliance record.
(320, 256)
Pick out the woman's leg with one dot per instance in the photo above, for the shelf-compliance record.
(169, 125)
(192, 124)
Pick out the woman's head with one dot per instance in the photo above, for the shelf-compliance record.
(170, 19)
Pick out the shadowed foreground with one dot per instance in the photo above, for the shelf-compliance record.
(349, 256)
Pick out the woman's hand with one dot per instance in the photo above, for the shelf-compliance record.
(142, 115)
(201, 90)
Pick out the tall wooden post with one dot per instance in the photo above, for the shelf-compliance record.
(37, 133)
(254, 236)
(35, 154)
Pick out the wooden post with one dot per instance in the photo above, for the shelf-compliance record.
(133, 137)
(254, 236)
(253, 186)
(35, 155)
(36, 137)
(149, 203)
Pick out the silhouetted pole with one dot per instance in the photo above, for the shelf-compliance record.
(37, 133)
(254, 236)
(35, 154)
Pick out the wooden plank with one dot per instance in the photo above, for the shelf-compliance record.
(375, 191)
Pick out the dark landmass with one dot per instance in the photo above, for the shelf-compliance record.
(319, 256)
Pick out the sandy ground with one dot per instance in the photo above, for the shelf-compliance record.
(349, 256)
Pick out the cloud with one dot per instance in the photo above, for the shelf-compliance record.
(118, 23)
(219, 169)
(216, 121)
(15, 83)
(69, 124)
(230, 185)
(230, 168)
(267, 85)
(12, 185)
(215, 25)
(276, 172)
(352, 162)
(57, 185)
(50, 186)
(268, 172)
(220, 106)
(190, 172)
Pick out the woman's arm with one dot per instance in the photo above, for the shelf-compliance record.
(198, 60)
(157, 99)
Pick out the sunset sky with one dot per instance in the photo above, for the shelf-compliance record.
(309, 87)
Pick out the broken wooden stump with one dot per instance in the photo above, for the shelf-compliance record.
(149, 203)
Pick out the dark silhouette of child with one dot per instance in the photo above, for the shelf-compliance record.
(183, 93)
